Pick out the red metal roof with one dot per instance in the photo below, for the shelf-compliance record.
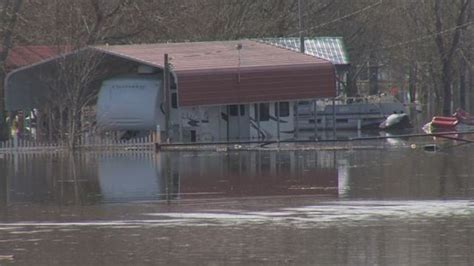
(216, 73)
(20, 56)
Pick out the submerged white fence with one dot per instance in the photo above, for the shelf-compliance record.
(146, 143)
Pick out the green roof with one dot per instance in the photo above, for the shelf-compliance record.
(329, 48)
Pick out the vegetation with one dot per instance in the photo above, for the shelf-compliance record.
(421, 46)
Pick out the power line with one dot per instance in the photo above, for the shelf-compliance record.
(340, 18)
(419, 39)
(422, 38)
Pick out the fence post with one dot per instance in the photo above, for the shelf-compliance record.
(158, 138)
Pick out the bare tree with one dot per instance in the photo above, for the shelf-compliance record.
(72, 84)
(72, 80)
(448, 44)
(8, 20)
(426, 46)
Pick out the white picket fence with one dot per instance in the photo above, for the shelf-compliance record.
(91, 143)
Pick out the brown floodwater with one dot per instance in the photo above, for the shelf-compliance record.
(391, 206)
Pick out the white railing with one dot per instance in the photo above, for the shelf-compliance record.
(146, 143)
(97, 143)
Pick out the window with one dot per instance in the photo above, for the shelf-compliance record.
(284, 109)
(264, 112)
(311, 121)
(174, 100)
(234, 110)
(173, 86)
(242, 110)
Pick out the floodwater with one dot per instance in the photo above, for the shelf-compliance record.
(399, 206)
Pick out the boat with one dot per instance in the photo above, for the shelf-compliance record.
(444, 122)
(349, 112)
(458, 122)
(396, 121)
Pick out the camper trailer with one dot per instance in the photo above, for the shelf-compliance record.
(135, 103)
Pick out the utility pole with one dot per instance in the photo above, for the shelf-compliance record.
(166, 96)
(300, 18)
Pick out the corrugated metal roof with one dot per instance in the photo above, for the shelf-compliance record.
(216, 73)
(329, 48)
(20, 56)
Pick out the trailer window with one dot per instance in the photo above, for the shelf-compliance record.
(264, 112)
(174, 100)
(234, 110)
(284, 109)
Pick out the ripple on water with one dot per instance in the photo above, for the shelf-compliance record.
(334, 213)
(346, 212)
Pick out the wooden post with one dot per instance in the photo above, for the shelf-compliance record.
(334, 117)
(257, 117)
(228, 121)
(315, 116)
(199, 125)
(219, 123)
(180, 123)
(297, 129)
(278, 122)
(238, 118)
(166, 96)
(157, 138)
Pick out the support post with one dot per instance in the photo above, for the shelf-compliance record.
(257, 117)
(166, 96)
(315, 116)
(180, 125)
(228, 121)
(334, 117)
(157, 138)
(219, 118)
(278, 122)
(238, 119)
(199, 127)
(297, 129)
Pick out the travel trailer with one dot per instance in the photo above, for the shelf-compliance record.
(135, 103)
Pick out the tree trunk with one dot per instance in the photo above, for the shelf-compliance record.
(7, 29)
(373, 76)
(412, 82)
(351, 88)
(447, 83)
(72, 129)
(462, 84)
(3, 123)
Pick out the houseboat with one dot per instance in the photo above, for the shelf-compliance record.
(349, 113)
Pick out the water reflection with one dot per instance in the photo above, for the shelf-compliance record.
(90, 178)
(123, 177)
(256, 173)
(380, 207)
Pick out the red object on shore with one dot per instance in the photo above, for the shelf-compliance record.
(444, 122)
